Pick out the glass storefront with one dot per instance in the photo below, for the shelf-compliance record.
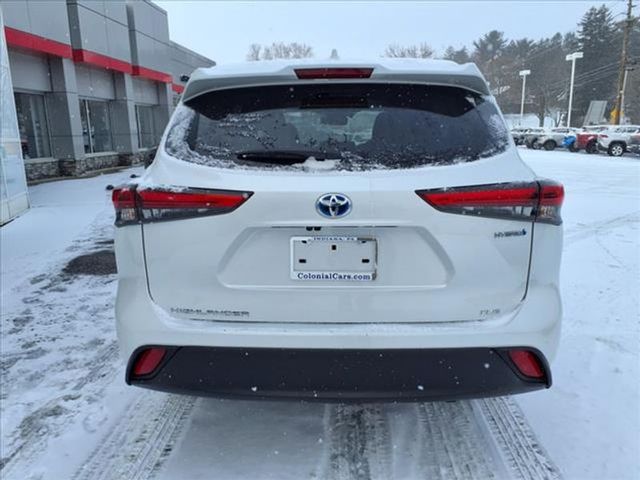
(146, 129)
(14, 197)
(96, 126)
(32, 125)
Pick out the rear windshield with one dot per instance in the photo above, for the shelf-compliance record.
(337, 126)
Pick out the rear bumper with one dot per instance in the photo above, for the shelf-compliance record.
(634, 148)
(339, 374)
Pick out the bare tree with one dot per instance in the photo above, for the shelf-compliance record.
(279, 50)
(300, 50)
(267, 54)
(412, 51)
(254, 52)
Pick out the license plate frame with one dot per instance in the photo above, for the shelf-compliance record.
(333, 258)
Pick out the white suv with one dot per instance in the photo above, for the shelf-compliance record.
(339, 231)
(616, 140)
(554, 137)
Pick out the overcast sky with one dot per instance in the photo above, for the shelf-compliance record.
(223, 30)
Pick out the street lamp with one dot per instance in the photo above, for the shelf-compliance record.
(572, 57)
(523, 74)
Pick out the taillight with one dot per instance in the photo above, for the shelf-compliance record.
(150, 205)
(527, 363)
(314, 73)
(550, 201)
(603, 136)
(124, 202)
(533, 201)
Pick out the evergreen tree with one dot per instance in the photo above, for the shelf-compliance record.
(599, 39)
(458, 56)
(489, 47)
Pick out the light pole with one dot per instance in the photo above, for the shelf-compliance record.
(523, 74)
(572, 57)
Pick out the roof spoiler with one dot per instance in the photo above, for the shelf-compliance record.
(465, 76)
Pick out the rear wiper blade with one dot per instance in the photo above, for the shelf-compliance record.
(286, 157)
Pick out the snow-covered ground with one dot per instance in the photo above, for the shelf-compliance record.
(66, 412)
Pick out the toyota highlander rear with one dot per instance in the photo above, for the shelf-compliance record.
(340, 231)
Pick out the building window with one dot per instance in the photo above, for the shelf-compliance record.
(146, 130)
(32, 124)
(96, 126)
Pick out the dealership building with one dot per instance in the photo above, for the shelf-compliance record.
(94, 81)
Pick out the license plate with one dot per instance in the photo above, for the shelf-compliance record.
(333, 258)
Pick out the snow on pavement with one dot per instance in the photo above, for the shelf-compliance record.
(590, 418)
(66, 412)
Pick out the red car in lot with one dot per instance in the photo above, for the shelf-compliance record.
(587, 138)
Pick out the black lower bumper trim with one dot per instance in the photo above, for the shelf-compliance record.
(339, 375)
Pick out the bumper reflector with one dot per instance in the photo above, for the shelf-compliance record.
(147, 361)
(527, 363)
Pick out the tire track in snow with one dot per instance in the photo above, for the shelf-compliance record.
(452, 444)
(582, 231)
(102, 366)
(484, 439)
(521, 450)
(60, 309)
(358, 445)
(138, 444)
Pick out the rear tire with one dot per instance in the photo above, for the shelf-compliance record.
(573, 148)
(550, 145)
(591, 147)
(616, 149)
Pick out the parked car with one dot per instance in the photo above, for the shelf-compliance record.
(554, 137)
(531, 137)
(587, 138)
(273, 249)
(615, 140)
(634, 143)
(518, 134)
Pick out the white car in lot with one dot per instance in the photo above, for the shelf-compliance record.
(554, 137)
(530, 138)
(518, 134)
(615, 141)
(634, 143)
(339, 231)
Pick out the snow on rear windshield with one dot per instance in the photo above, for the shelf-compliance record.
(349, 126)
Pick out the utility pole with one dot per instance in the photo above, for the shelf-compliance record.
(624, 88)
(572, 57)
(623, 62)
(523, 74)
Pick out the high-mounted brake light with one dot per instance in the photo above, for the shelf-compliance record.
(534, 201)
(314, 73)
(151, 205)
